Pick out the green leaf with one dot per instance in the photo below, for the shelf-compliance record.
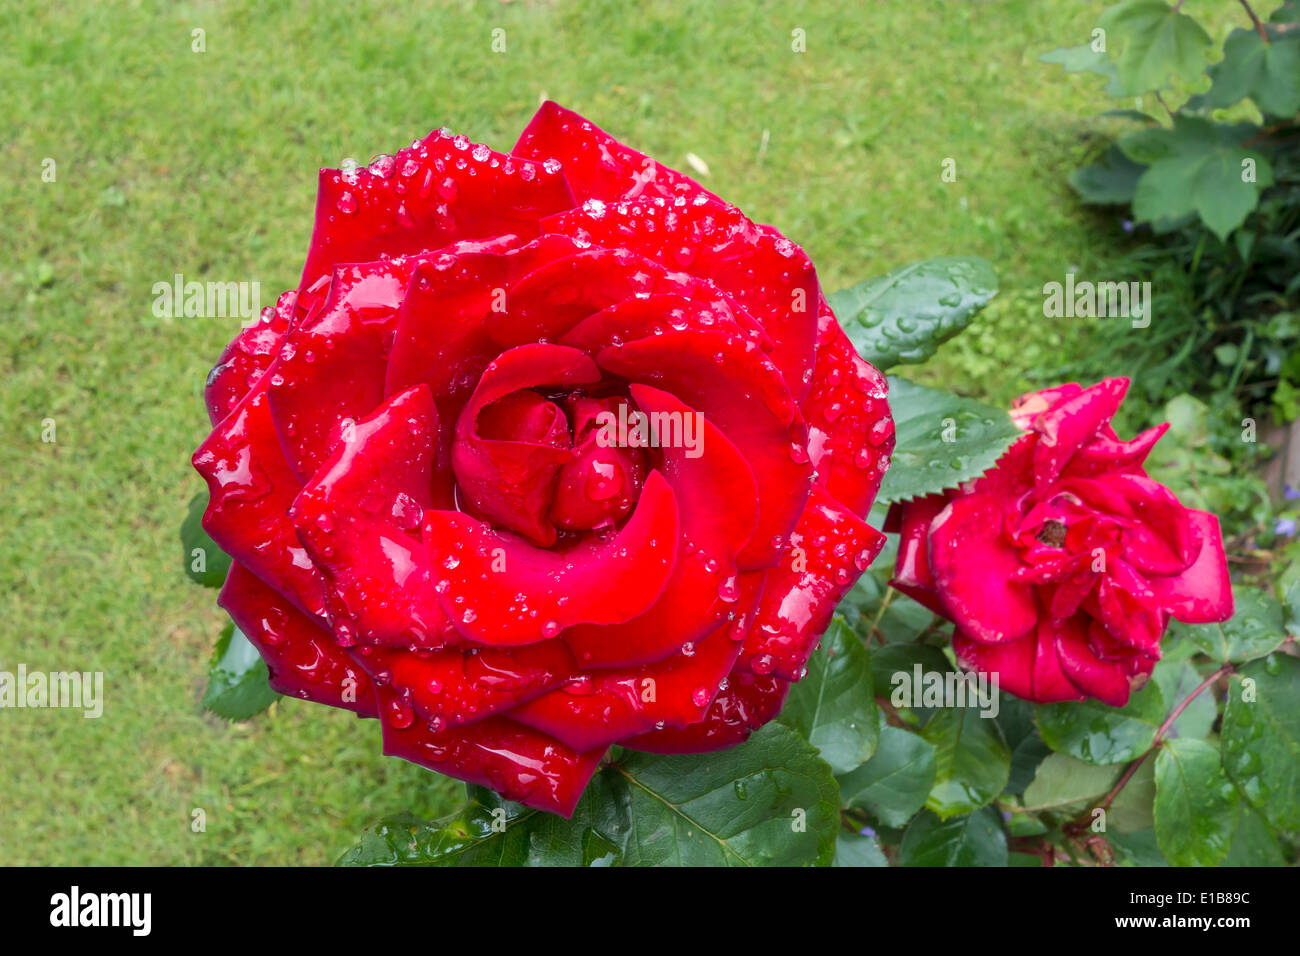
(1254, 630)
(858, 849)
(1195, 808)
(1289, 587)
(893, 785)
(1268, 73)
(1158, 41)
(771, 801)
(973, 840)
(942, 440)
(1204, 172)
(1016, 718)
(1100, 734)
(1136, 849)
(205, 563)
(1133, 808)
(905, 315)
(1253, 841)
(238, 680)
(1108, 182)
(972, 761)
(833, 707)
(1067, 786)
(1261, 738)
(1084, 59)
(1177, 679)
(490, 831)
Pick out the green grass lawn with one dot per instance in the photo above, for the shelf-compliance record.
(205, 163)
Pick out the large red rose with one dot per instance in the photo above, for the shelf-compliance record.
(1062, 565)
(430, 524)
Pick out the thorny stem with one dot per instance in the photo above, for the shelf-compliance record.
(1259, 26)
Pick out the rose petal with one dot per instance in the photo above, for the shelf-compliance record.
(1070, 424)
(512, 483)
(454, 687)
(596, 165)
(1203, 592)
(250, 489)
(850, 428)
(500, 590)
(766, 273)
(717, 506)
(829, 549)
(912, 570)
(972, 566)
(603, 706)
(1105, 680)
(740, 392)
(359, 518)
(301, 655)
(516, 761)
(748, 703)
(438, 191)
(248, 355)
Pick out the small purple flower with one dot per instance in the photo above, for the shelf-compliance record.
(1284, 527)
(1290, 492)
(867, 831)
(1126, 225)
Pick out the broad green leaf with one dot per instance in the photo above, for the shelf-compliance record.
(976, 839)
(905, 315)
(1253, 841)
(1195, 809)
(1177, 679)
(1108, 182)
(1136, 849)
(1100, 734)
(1261, 737)
(1268, 73)
(1133, 808)
(833, 707)
(942, 440)
(1016, 718)
(972, 762)
(1067, 786)
(1208, 171)
(858, 849)
(1254, 630)
(895, 676)
(1289, 587)
(1157, 41)
(771, 801)
(205, 563)
(893, 785)
(238, 680)
(1084, 59)
(490, 831)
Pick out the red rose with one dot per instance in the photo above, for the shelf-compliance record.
(1062, 564)
(429, 461)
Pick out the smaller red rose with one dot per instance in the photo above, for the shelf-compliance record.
(1062, 564)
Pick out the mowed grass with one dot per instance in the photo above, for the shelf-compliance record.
(171, 161)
